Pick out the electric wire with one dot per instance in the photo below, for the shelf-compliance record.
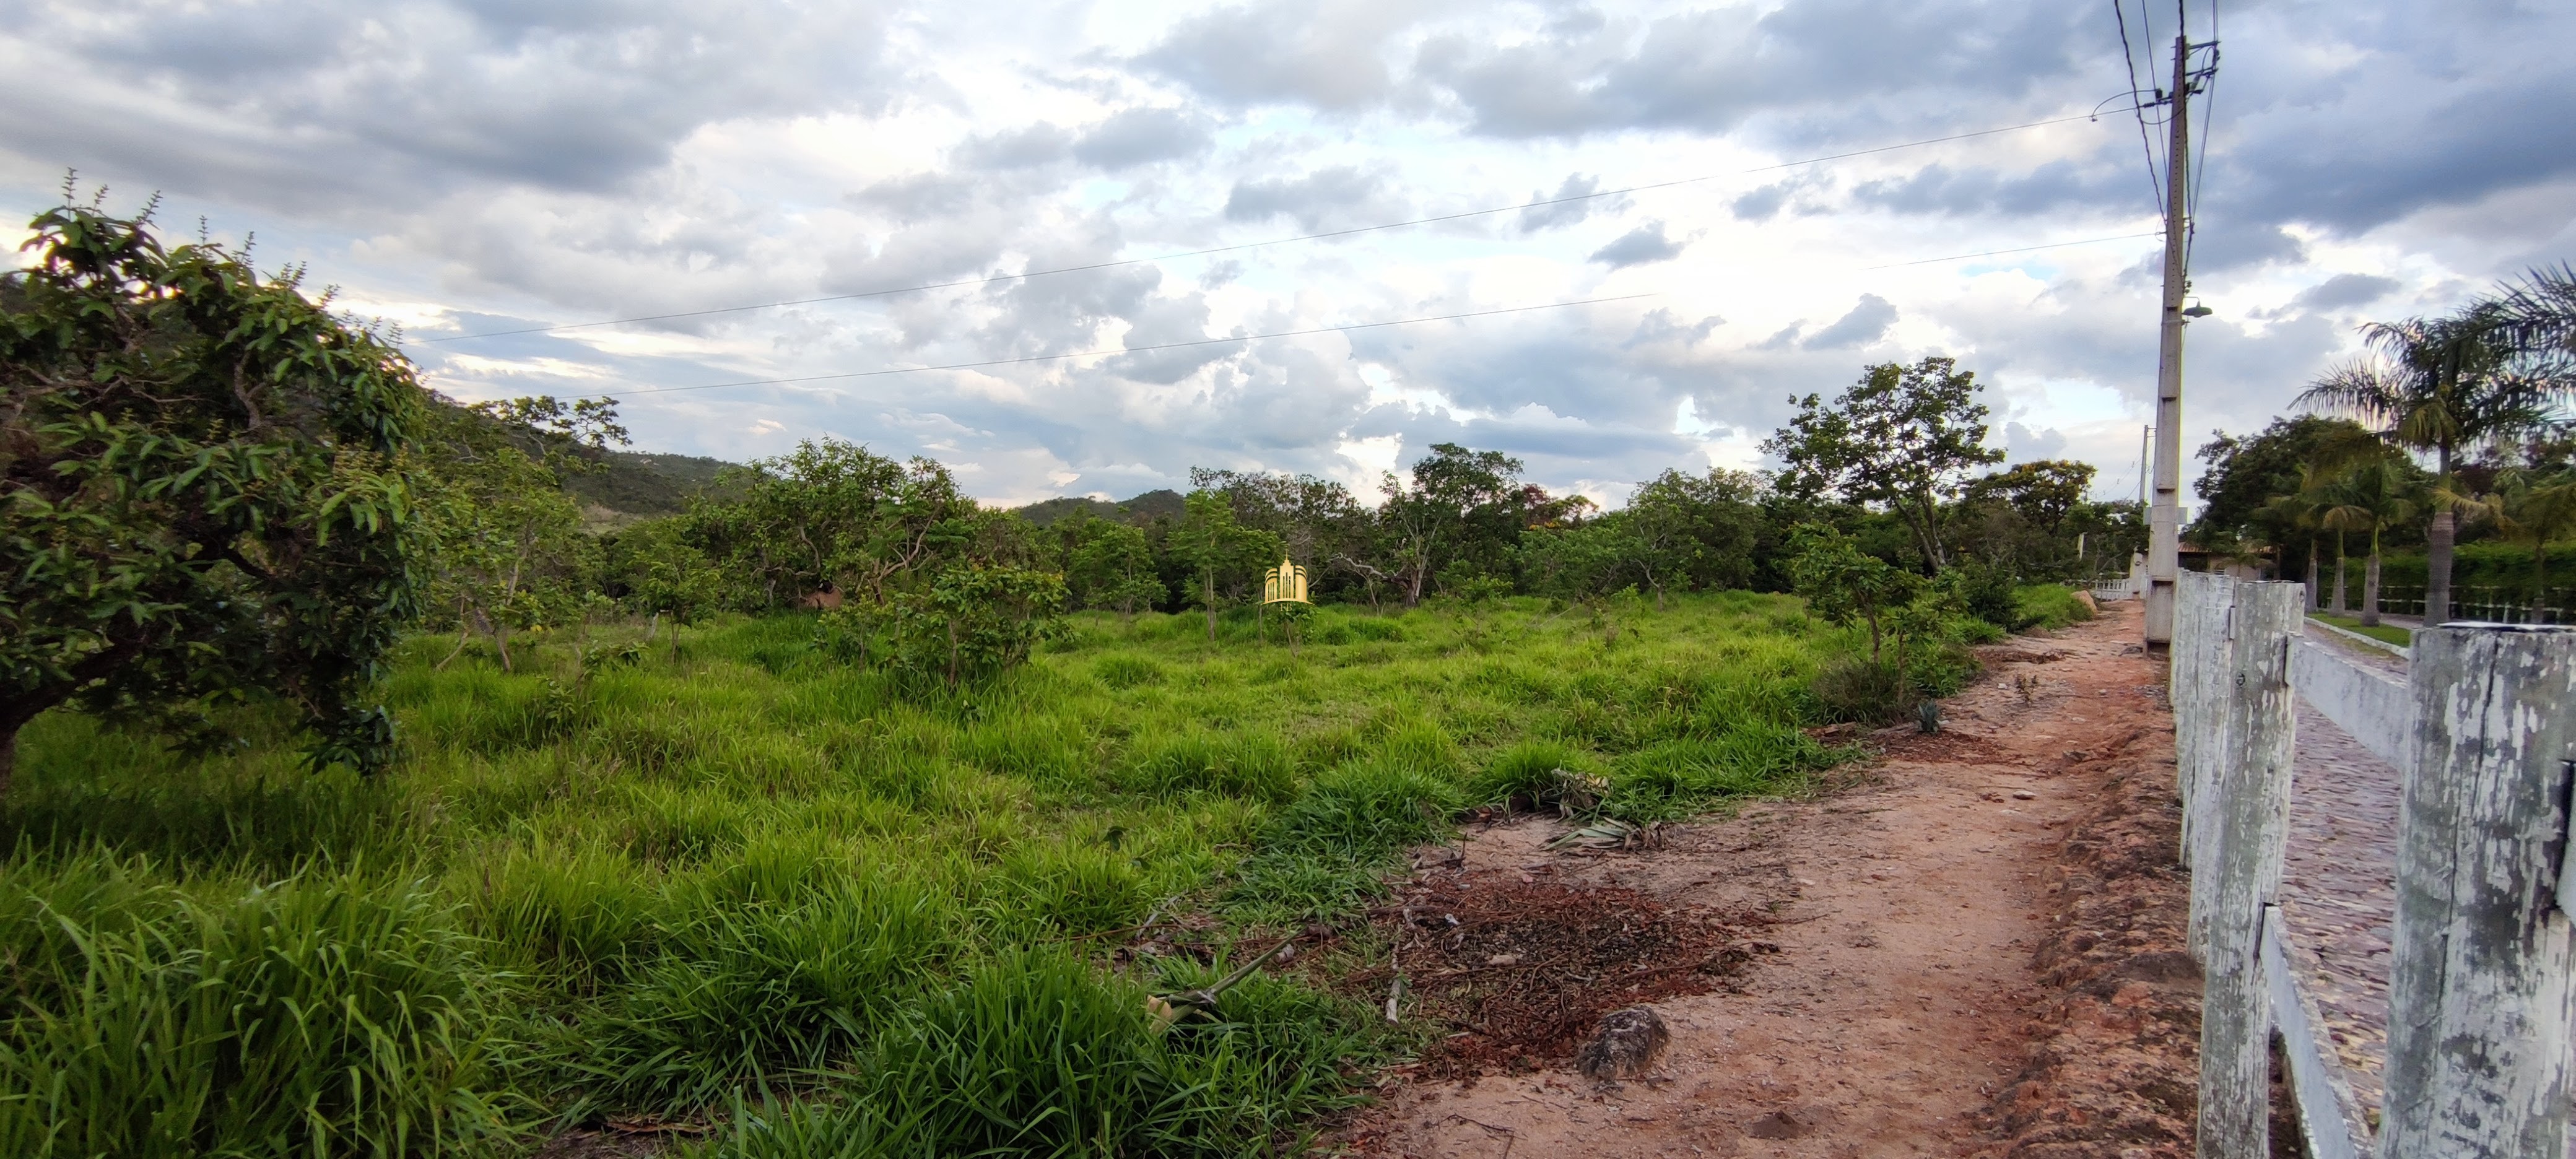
(2146, 143)
(1111, 353)
(2208, 120)
(2020, 250)
(1327, 234)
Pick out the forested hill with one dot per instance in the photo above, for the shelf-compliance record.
(645, 484)
(1161, 503)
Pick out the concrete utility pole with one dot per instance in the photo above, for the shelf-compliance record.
(2164, 514)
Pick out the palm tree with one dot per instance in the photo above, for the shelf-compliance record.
(2371, 497)
(2536, 510)
(2538, 314)
(2302, 510)
(2443, 385)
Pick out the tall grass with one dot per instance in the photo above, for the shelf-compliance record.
(843, 913)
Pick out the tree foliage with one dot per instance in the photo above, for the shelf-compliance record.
(1903, 438)
(205, 495)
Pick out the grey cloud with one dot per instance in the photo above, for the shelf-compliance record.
(1331, 56)
(2057, 185)
(1659, 326)
(2024, 445)
(1643, 245)
(1761, 204)
(1574, 201)
(1138, 136)
(2345, 290)
(1867, 323)
(409, 100)
(1318, 198)
(1026, 148)
(1710, 70)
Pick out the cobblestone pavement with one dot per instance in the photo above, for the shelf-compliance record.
(2338, 891)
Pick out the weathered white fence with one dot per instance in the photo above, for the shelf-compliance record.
(2480, 994)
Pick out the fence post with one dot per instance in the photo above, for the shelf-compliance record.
(2244, 838)
(2199, 636)
(2479, 1000)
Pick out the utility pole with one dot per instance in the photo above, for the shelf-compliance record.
(2164, 514)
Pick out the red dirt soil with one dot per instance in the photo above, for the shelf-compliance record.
(1977, 951)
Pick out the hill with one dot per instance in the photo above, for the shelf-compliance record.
(1162, 503)
(644, 484)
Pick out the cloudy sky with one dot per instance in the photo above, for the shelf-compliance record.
(461, 167)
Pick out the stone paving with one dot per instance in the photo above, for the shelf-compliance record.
(2338, 892)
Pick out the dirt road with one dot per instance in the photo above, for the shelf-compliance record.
(1972, 952)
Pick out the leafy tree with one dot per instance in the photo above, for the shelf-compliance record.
(1842, 583)
(2536, 508)
(2043, 492)
(1461, 513)
(1904, 438)
(1113, 567)
(509, 540)
(2245, 475)
(833, 514)
(2369, 498)
(1314, 518)
(974, 619)
(1697, 530)
(1217, 550)
(204, 502)
(2443, 385)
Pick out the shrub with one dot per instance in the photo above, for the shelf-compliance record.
(1986, 591)
(2051, 606)
(1861, 689)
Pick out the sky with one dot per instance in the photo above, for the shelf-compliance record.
(457, 168)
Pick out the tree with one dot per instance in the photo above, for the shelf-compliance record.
(508, 537)
(2442, 385)
(2371, 497)
(1903, 438)
(833, 513)
(1694, 529)
(1216, 549)
(2536, 509)
(2245, 475)
(1842, 583)
(204, 496)
(1113, 567)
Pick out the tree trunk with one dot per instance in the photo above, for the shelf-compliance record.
(2540, 583)
(1207, 597)
(2370, 587)
(2437, 551)
(2312, 574)
(2340, 604)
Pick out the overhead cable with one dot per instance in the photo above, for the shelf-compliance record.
(1324, 235)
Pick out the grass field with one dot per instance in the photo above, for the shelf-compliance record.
(2402, 637)
(829, 912)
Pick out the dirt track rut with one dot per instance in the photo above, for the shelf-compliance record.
(1919, 1002)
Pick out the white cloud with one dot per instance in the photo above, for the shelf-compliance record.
(465, 168)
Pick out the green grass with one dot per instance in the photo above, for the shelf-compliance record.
(2391, 633)
(2050, 606)
(833, 911)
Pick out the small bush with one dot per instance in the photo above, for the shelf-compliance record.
(2051, 606)
(1857, 688)
(1525, 776)
(1987, 592)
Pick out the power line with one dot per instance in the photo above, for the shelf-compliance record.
(2146, 144)
(1327, 234)
(2022, 250)
(1143, 349)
